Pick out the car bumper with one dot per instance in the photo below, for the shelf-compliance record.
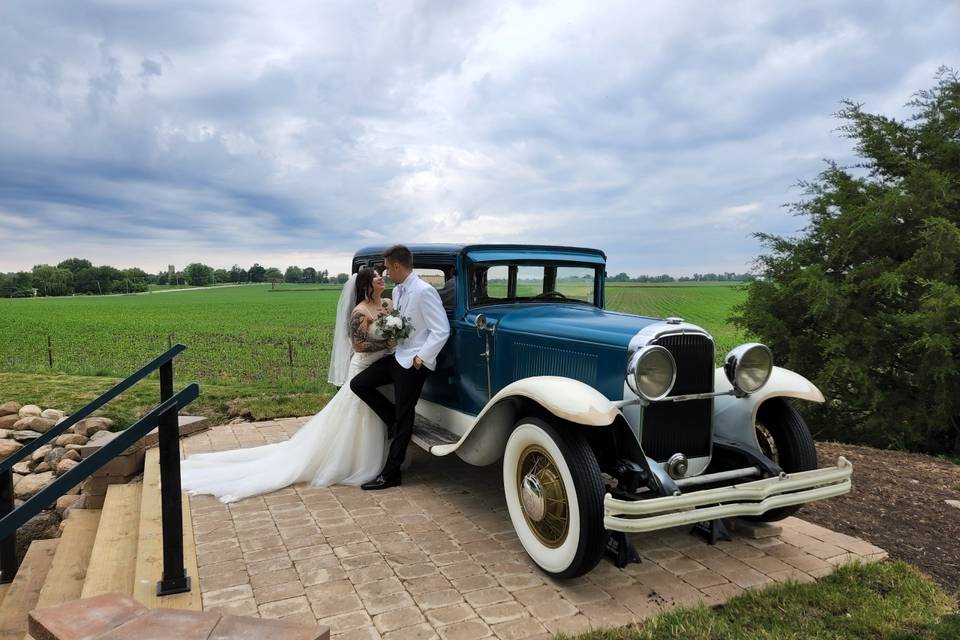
(744, 499)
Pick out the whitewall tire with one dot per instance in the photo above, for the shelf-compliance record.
(554, 494)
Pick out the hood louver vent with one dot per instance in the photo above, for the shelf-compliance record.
(535, 360)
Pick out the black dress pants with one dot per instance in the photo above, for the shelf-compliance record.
(399, 416)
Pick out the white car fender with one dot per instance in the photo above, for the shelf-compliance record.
(734, 418)
(483, 439)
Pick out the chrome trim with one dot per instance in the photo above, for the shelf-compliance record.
(731, 365)
(699, 396)
(720, 476)
(677, 466)
(635, 362)
(655, 330)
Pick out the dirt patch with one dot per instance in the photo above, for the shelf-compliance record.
(899, 503)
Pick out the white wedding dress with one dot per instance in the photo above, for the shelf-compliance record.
(343, 444)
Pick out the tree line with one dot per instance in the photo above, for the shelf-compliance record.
(728, 276)
(78, 276)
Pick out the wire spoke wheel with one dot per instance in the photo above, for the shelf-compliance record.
(543, 496)
(767, 442)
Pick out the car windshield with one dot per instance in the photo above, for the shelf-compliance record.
(498, 283)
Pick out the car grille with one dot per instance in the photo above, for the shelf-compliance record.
(683, 427)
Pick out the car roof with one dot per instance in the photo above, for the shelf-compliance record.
(438, 250)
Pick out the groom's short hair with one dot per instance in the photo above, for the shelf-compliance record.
(398, 253)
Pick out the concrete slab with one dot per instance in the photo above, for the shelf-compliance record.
(438, 557)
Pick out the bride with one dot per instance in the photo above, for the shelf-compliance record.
(343, 444)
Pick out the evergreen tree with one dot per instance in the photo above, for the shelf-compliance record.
(866, 302)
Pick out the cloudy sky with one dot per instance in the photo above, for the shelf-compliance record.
(665, 133)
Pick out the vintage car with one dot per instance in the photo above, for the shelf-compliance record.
(606, 423)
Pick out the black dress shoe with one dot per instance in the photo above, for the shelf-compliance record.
(381, 482)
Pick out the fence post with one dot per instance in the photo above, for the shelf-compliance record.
(290, 356)
(8, 546)
(175, 578)
(50, 351)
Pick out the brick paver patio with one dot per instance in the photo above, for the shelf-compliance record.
(438, 557)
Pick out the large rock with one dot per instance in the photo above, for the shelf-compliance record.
(52, 414)
(7, 422)
(90, 426)
(31, 484)
(43, 467)
(35, 423)
(10, 408)
(30, 410)
(41, 527)
(9, 447)
(101, 438)
(5, 433)
(65, 465)
(67, 501)
(26, 435)
(37, 456)
(24, 467)
(70, 438)
(71, 454)
(54, 456)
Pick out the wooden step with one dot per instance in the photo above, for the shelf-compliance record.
(150, 545)
(3, 592)
(64, 580)
(25, 589)
(114, 555)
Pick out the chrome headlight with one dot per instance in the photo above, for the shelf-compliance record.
(748, 367)
(651, 373)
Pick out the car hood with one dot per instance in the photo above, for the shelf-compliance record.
(568, 321)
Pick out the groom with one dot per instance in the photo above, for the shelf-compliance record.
(408, 368)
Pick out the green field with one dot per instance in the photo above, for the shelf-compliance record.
(252, 338)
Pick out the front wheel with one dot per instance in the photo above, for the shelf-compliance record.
(784, 437)
(554, 494)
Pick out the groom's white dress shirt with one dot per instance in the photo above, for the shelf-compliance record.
(420, 302)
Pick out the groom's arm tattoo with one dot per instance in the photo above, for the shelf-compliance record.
(361, 340)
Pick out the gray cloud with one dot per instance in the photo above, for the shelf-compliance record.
(664, 133)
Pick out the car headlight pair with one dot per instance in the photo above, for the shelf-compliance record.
(652, 371)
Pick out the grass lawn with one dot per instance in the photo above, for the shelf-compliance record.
(267, 347)
(881, 601)
(219, 402)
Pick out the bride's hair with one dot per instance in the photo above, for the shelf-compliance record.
(365, 284)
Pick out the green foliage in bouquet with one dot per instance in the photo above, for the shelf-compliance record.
(393, 326)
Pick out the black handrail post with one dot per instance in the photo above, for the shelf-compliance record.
(175, 578)
(8, 546)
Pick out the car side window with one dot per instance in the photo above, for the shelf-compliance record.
(443, 279)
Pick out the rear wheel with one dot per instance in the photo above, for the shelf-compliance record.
(784, 437)
(554, 494)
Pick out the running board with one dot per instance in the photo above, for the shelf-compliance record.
(428, 434)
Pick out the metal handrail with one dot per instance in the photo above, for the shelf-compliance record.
(164, 418)
(120, 387)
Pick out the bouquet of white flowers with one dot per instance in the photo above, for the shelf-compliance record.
(393, 326)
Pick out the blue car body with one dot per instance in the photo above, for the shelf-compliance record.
(538, 374)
